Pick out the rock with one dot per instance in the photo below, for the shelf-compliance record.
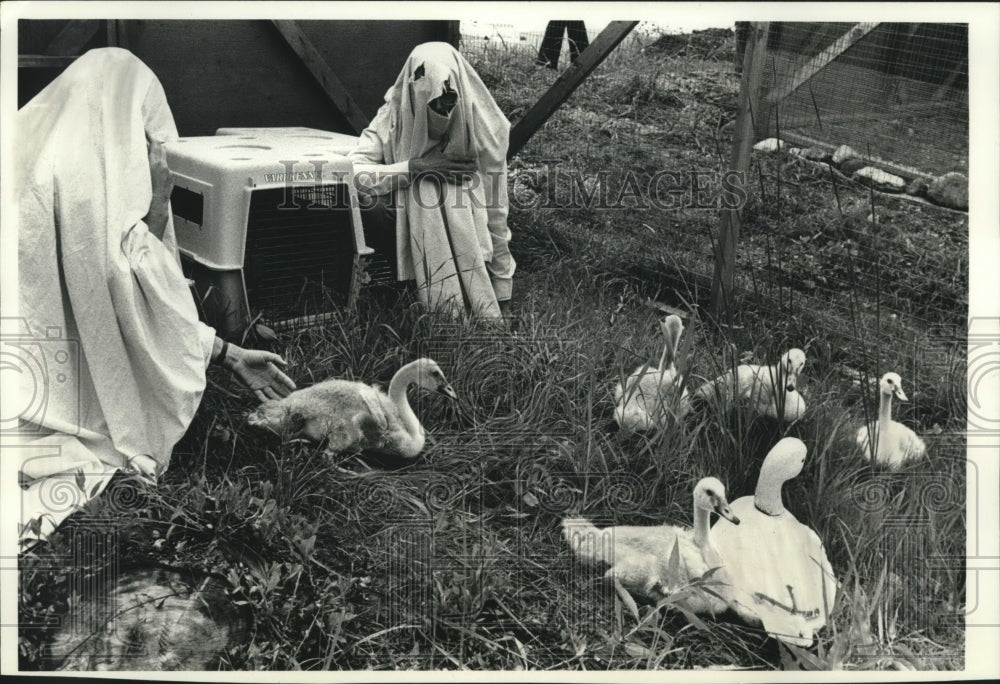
(150, 619)
(886, 182)
(770, 145)
(859, 208)
(950, 190)
(918, 187)
(851, 166)
(647, 129)
(843, 153)
(816, 153)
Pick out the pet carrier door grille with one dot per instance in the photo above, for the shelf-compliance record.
(268, 226)
(299, 253)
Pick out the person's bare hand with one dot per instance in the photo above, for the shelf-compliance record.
(452, 169)
(163, 186)
(257, 370)
(162, 177)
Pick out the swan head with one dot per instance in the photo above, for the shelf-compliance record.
(892, 385)
(671, 327)
(429, 376)
(792, 362)
(785, 460)
(710, 495)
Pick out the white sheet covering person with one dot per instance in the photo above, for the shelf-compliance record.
(451, 237)
(101, 297)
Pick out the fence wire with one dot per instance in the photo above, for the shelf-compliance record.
(896, 91)
(866, 281)
(887, 278)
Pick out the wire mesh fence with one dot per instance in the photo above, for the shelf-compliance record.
(896, 91)
(866, 280)
(841, 231)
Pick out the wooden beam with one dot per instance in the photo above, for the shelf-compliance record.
(73, 37)
(28, 61)
(568, 81)
(117, 30)
(328, 80)
(121, 33)
(741, 42)
(743, 139)
(111, 29)
(814, 65)
(953, 75)
(902, 111)
(454, 33)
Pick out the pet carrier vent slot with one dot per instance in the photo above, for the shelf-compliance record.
(187, 204)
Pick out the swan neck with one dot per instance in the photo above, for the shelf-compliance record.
(663, 356)
(767, 496)
(885, 410)
(403, 378)
(701, 517)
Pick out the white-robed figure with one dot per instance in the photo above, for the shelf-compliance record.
(110, 354)
(451, 232)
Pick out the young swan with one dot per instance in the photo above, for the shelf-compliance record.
(643, 404)
(771, 390)
(353, 415)
(777, 568)
(640, 556)
(895, 443)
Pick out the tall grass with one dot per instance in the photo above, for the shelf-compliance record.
(456, 560)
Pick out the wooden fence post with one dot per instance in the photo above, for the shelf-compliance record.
(325, 76)
(743, 139)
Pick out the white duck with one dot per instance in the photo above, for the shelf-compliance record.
(777, 567)
(895, 443)
(771, 390)
(643, 403)
(640, 555)
(353, 415)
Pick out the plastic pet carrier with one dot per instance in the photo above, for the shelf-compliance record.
(268, 226)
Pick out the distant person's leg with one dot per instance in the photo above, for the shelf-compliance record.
(578, 41)
(378, 220)
(548, 53)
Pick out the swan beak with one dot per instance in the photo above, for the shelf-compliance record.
(723, 509)
(900, 394)
(447, 391)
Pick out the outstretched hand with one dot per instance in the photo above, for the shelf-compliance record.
(452, 169)
(258, 370)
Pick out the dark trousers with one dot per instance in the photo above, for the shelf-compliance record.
(378, 221)
(548, 53)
